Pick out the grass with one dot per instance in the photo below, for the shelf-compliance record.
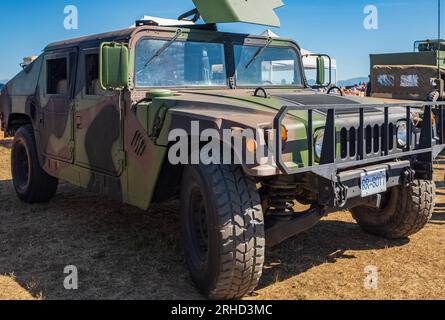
(125, 253)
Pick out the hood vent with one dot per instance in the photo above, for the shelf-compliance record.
(324, 99)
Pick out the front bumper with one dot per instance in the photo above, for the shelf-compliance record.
(348, 183)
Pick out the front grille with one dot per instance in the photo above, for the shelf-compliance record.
(374, 142)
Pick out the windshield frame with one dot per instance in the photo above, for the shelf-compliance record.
(228, 40)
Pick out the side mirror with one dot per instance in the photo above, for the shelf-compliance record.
(321, 77)
(317, 62)
(114, 66)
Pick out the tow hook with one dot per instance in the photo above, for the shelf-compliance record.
(408, 176)
(341, 195)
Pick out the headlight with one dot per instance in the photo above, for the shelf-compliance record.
(319, 138)
(402, 134)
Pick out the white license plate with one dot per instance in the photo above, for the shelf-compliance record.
(373, 182)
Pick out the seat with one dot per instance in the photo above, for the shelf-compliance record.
(98, 90)
(62, 87)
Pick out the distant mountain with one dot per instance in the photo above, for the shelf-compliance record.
(344, 83)
(351, 82)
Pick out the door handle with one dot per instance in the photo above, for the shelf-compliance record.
(78, 122)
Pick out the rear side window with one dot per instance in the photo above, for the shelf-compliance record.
(92, 73)
(57, 76)
(385, 80)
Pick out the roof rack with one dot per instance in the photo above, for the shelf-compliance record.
(205, 26)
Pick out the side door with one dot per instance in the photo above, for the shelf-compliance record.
(56, 89)
(97, 123)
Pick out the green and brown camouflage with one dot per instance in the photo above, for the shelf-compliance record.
(83, 138)
(116, 142)
(101, 121)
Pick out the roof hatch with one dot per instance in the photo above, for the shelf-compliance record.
(249, 11)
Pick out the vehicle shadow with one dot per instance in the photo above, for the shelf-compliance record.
(328, 242)
(438, 217)
(6, 143)
(125, 253)
(120, 252)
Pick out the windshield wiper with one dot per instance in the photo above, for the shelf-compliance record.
(259, 52)
(162, 49)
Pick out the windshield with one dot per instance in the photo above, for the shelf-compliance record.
(273, 66)
(175, 63)
(180, 64)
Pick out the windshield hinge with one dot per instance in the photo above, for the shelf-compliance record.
(232, 83)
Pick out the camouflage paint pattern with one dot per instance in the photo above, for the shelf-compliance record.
(87, 141)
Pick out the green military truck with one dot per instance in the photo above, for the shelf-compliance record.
(98, 112)
(417, 75)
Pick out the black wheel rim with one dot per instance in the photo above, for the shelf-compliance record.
(21, 167)
(199, 231)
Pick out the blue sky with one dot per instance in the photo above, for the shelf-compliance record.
(323, 26)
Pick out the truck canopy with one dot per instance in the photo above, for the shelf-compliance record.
(412, 82)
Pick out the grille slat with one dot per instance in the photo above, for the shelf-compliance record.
(374, 141)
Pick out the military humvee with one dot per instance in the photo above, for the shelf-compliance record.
(98, 111)
(417, 75)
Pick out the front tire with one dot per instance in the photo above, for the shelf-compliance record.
(407, 211)
(31, 183)
(223, 230)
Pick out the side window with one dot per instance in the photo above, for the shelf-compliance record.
(409, 81)
(385, 80)
(57, 76)
(92, 85)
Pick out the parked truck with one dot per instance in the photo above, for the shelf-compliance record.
(417, 75)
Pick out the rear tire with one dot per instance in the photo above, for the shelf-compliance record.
(407, 211)
(31, 183)
(223, 230)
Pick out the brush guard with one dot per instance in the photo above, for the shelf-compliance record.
(420, 149)
(330, 160)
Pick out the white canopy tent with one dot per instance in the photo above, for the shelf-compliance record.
(309, 61)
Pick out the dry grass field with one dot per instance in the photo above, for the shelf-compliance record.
(125, 253)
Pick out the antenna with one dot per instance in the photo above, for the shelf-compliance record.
(438, 38)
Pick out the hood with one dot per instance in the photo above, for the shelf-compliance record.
(277, 99)
(240, 106)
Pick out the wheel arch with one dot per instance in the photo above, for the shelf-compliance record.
(15, 121)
